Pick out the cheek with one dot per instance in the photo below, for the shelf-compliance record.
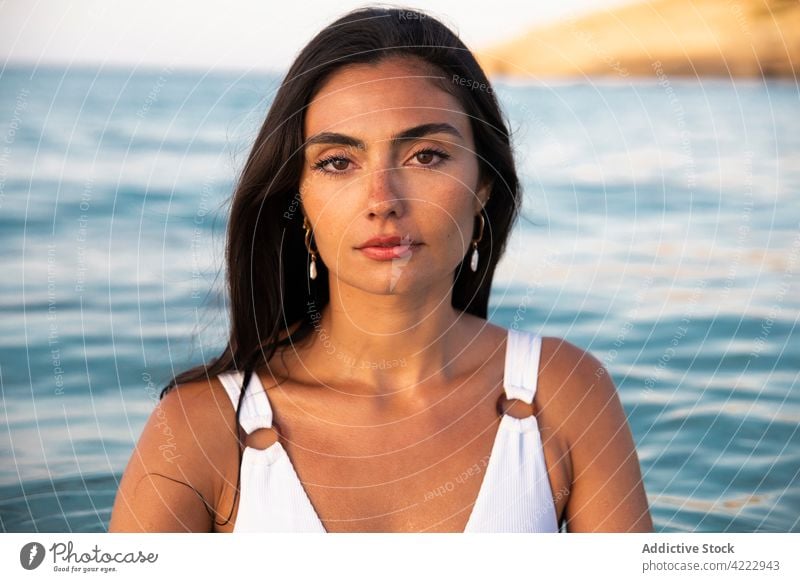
(451, 223)
(333, 225)
(457, 200)
(327, 233)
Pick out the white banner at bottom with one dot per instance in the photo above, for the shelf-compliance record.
(400, 557)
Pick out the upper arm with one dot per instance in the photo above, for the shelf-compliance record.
(170, 476)
(607, 493)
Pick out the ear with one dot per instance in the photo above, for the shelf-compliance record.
(482, 194)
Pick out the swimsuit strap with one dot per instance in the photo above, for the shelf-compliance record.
(522, 365)
(256, 412)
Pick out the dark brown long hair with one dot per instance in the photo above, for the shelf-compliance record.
(266, 257)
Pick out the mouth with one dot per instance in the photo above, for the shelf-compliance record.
(387, 248)
(388, 241)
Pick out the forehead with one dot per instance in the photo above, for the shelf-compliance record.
(381, 98)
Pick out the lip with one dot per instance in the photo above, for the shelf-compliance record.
(387, 241)
(383, 248)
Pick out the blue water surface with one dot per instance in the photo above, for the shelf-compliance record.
(660, 231)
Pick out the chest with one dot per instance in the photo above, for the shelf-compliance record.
(419, 472)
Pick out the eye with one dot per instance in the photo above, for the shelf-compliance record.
(338, 163)
(425, 156)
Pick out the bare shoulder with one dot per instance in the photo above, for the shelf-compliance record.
(198, 415)
(203, 404)
(574, 384)
(607, 491)
(568, 360)
(177, 469)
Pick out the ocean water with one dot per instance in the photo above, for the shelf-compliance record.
(660, 231)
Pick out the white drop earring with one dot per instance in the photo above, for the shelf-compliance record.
(473, 262)
(312, 270)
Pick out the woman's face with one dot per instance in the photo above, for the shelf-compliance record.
(387, 153)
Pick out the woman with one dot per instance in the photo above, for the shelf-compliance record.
(362, 388)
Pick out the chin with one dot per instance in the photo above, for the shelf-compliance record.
(385, 280)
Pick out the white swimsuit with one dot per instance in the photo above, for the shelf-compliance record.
(515, 495)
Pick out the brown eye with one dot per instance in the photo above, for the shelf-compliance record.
(428, 157)
(425, 158)
(333, 165)
(339, 164)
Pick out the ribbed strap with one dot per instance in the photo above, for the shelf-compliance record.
(522, 365)
(256, 412)
(515, 495)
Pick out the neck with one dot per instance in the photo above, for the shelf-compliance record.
(381, 345)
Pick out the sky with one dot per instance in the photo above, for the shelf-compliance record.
(230, 34)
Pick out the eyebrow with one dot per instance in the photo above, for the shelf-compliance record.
(416, 132)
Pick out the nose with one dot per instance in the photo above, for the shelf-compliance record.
(384, 199)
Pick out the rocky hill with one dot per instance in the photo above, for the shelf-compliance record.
(723, 38)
